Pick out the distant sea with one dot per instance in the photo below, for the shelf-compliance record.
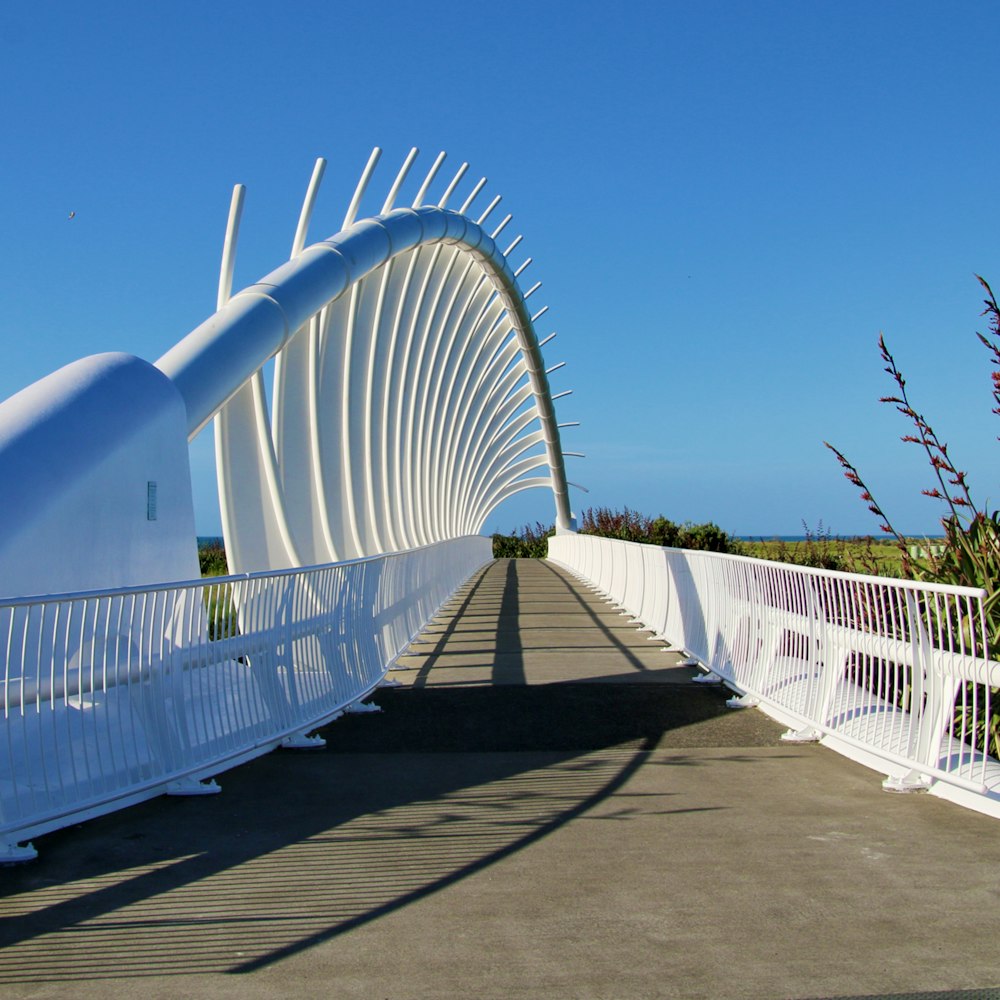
(209, 540)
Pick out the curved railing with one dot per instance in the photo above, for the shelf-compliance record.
(110, 698)
(893, 673)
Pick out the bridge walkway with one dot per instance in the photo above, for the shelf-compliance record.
(545, 808)
(527, 621)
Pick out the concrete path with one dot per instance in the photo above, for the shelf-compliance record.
(504, 830)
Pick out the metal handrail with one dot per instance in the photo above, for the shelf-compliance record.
(894, 673)
(108, 697)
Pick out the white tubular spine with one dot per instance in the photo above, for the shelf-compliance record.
(408, 384)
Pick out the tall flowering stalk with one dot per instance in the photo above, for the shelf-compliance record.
(971, 552)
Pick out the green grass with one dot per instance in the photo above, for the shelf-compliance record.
(867, 555)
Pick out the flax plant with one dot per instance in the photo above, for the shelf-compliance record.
(971, 552)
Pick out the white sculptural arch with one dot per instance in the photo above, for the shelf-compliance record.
(408, 377)
(410, 398)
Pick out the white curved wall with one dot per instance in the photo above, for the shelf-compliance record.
(410, 399)
(78, 450)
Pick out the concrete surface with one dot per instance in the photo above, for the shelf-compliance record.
(488, 838)
(527, 621)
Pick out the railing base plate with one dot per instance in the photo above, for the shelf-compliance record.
(913, 781)
(743, 701)
(188, 786)
(16, 854)
(702, 678)
(362, 706)
(807, 735)
(299, 741)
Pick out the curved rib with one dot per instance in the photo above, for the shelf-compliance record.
(214, 360)
(226, 269)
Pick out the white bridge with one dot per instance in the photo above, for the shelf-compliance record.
(409, 399)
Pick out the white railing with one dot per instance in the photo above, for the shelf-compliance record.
(893, 673)
(111, 698)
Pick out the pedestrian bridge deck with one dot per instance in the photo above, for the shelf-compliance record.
(545, 807)
(527, 621)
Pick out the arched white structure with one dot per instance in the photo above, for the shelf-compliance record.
(410, 397)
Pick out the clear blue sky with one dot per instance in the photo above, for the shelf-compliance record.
(725, 201)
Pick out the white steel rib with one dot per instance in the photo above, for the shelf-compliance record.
(408, 377)
(409, 398)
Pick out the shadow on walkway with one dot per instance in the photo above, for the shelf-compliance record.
(303, 847)
(526, 621)
(613, 831)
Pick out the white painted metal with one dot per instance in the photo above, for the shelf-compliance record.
(408, 377)
(81, 453)
(112, 697)
(409, 398)
(892, 673)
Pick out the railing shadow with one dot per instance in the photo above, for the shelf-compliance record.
(300, 849)
(506, 610)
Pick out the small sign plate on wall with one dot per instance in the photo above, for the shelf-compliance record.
(151, 500)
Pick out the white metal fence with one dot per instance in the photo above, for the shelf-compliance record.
(110, 698)
(893, 673)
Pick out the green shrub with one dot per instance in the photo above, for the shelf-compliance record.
(627, 525)
(212, 559)
(707, 537)
(531, 543)
(631, 526)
